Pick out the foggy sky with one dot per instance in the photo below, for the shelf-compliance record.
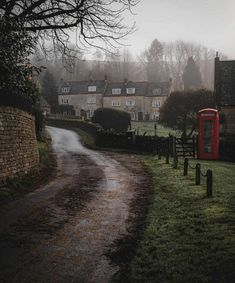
(208, 22)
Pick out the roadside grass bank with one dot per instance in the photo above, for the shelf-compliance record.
(14, 188)
(187, 236)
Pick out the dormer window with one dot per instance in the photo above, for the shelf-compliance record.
(157, 91)
(130, 90)
(92, 88)
(65, 89)
(116, 91)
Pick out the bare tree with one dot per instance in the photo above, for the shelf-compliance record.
(152, 58)
(96, 23)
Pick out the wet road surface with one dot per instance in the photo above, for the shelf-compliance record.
(61, 231)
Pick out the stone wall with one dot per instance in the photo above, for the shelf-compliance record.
(227, 133)
(18, 143)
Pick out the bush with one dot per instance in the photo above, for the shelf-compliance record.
(17, 101)
(112, 119)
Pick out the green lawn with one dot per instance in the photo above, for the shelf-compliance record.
(188, 237)
(148, 128)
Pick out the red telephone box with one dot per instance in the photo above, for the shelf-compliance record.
(208, 134)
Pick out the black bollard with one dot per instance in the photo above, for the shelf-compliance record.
(198, 174)
(186, 167)
(209, 183)
(167, 158)
(175, 165)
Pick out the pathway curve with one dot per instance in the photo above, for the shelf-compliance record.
(61, 231)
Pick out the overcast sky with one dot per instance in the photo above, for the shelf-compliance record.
(209, 22)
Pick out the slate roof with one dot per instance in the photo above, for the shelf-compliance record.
(81, 87)
(141, 88)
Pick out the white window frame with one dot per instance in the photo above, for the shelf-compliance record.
(116, 103)
(65, 89)
(65, 101)
(91, 113)
(130, 90)
(130, 103)
(155, 116)
(92, 88)
(156, 103)
(116, 91)
(91, 100)
(157, 91)
(132, 115)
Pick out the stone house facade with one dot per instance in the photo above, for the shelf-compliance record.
(141, 99)
(84, 96)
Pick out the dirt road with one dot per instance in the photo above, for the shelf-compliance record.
(61, 232)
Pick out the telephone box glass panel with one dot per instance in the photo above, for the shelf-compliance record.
(208, 136)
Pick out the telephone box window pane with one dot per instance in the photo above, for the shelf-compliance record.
(208, 136)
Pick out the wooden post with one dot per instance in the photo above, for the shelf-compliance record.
(186, 167)
(209, 183)
(198, 174)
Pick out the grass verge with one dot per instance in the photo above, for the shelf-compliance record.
(187, 237)
(14, 188)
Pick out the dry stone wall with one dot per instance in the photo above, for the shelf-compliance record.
(18, 143)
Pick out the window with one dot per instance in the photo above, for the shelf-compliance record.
(116, 91)
(65, 101)
(130, 103)
(132, 115)
(156, 103)
(116, 103)
(92, 88)
(155, 117)
(65, 89)
(157, 91)
(130, 90)
(92, 113)
(91, 100)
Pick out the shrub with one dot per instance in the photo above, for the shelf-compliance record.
(17, 101)
(112, 119)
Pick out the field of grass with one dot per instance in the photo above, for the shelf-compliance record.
(148, 128)
(188, 237)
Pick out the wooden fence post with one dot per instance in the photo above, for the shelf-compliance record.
(198, 174)
(185, 166)
(209, 183)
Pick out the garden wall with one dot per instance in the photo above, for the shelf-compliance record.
(18, 143)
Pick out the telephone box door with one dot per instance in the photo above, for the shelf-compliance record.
(208, 134)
